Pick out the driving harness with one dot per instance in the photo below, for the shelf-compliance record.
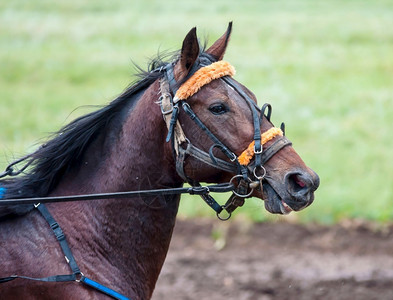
(173, 96)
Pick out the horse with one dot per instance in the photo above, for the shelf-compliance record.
(184, 120)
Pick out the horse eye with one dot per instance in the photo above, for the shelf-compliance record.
(218, 109)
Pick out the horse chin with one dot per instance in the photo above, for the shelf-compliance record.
(274, 203)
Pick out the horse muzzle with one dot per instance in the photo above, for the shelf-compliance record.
(295, 193)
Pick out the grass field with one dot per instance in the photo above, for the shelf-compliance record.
(325, 66)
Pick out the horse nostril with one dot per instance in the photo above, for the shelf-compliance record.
(297, 184)
(300, 187)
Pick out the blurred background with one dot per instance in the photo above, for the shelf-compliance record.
(325, 66)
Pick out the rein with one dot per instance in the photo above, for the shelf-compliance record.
(195, 190)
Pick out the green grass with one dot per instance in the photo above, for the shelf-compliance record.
(325, 66)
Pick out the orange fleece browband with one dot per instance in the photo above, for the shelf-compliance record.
(202, 77)
(248, 154)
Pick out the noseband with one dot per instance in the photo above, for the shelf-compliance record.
(203, 72)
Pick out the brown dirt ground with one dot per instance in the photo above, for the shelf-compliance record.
(209, 259)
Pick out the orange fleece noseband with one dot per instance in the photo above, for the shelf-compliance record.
(248, 154)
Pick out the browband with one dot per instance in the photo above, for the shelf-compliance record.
(203, 76)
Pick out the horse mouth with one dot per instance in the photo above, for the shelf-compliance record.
(285, 208)
(274, 203)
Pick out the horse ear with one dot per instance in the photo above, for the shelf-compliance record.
(189, 54)
(217, 50)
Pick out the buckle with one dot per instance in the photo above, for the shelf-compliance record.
(234, 157)
(259, 151)
(163, 110)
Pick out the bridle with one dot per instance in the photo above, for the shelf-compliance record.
(248, 177)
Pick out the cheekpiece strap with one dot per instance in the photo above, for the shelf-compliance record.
(169, 113)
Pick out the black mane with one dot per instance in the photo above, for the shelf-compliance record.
(66, 147)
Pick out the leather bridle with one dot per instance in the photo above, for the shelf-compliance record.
(247, 176)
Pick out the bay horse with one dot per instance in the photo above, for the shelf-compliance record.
(183, 121)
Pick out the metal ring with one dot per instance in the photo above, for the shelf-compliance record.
(240, 195)
(243, 196)
(263, 175)
(78, 278)
(221, 218)
(237, 176)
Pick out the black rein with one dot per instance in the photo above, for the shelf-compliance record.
(196, 190)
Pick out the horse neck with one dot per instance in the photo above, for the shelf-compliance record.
(134, 233)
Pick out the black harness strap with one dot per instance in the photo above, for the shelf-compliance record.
(255, 116)
(277, 145)
(216, 188)
(76, 275)
(170, 76)
(58, 232)
(207, 159)
(6, 279)
(56, 278)
(212, 202)
(198, 121)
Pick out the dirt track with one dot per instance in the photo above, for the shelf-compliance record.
(277, 261)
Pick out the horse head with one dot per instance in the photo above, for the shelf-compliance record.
(231, 123)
